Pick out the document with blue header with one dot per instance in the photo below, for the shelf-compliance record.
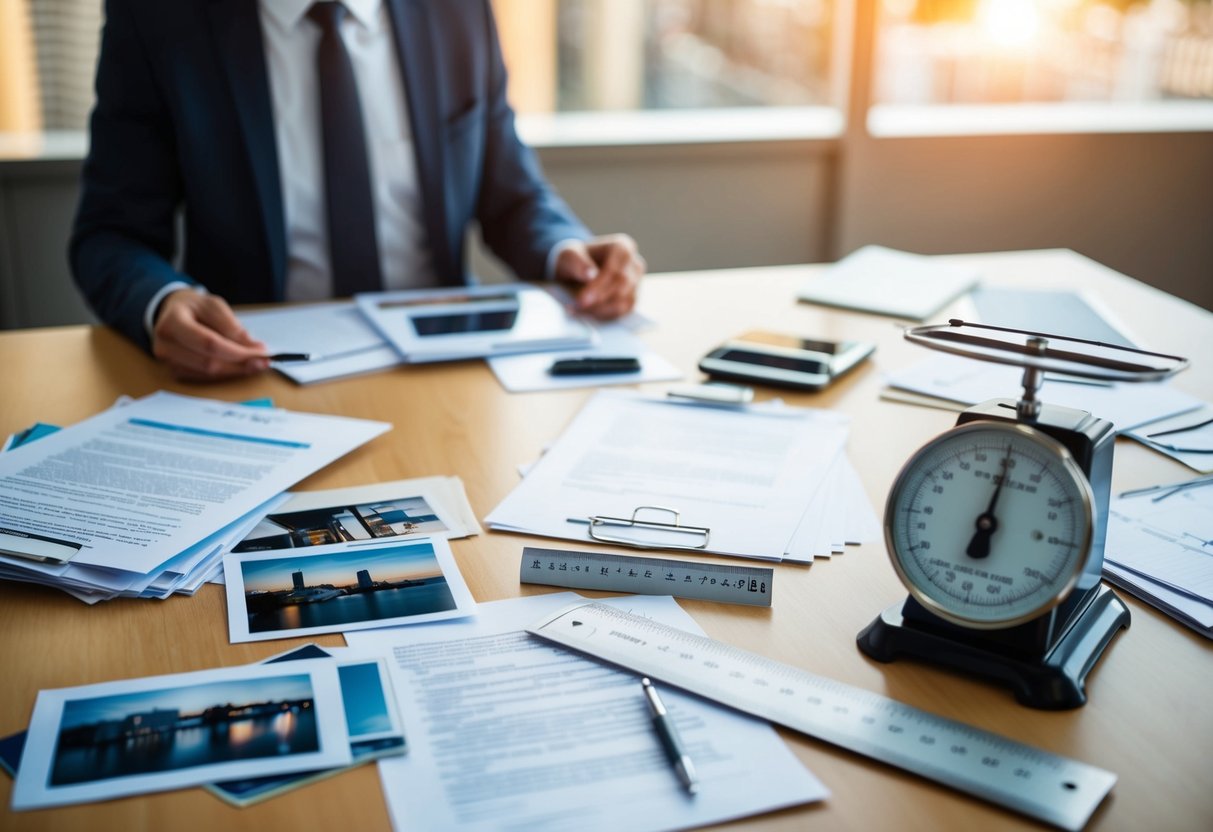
(123, 493)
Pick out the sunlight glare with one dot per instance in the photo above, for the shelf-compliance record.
(1009, 23)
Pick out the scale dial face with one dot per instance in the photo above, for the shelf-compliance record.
(989, 524)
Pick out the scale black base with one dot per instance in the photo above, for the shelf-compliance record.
(1044, 662)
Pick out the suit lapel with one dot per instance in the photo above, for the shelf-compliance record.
(237, 31)
(420, 69)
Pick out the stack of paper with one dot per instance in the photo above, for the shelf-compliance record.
(770, 482)
(1160, 548)
(142, 500)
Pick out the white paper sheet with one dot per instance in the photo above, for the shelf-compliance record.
(339, 339)
(1169, 540)
(529, 372)
(745, 474)
(507, 732)
(1189, 611)
(139, 484)
(98, 742)
(1186, 438)
(889, 282)
(969, 381)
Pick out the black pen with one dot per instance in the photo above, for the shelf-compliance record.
(282, 357)
(594, 364)
(670, 740)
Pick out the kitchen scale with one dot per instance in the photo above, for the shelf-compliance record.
(997, 526)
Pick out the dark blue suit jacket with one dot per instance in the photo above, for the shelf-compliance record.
(184, 119)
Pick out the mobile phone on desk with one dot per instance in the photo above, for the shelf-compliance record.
(784, 360)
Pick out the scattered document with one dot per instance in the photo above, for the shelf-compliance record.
(31, 434)
(888, 282)
(507, 732)
(1160, 547)
(338, 339)
(422, 507)
(113, 739)
(529, 372)
(1186, 438)
(967, 381)
(105, 505)
(732, 481)
(339, 588)
(473, 321)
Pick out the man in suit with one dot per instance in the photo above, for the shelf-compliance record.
(316, 149)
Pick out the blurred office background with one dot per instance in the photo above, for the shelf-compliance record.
(747, 132)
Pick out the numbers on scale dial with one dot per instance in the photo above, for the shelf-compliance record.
(990, 524)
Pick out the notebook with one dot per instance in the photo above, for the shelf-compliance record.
(889, 282)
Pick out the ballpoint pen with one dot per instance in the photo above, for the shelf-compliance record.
(670, 741)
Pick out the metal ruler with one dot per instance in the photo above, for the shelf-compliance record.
(647, 576)
(1037, 783)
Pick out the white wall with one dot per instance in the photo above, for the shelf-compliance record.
(1139, 203)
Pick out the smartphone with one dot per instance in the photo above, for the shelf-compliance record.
(784, 360)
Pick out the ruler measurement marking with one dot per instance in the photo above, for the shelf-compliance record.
(986, 765)
(726, 583)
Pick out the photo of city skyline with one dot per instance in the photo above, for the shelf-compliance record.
(153, 731)
(343, 524)
(343, 586)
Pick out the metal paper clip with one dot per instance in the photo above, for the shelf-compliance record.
(597, 522)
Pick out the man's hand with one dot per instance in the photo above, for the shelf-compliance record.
(200, 339)
(609, 271)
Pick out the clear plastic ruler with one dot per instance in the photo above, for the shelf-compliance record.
(647, 576)
(1037, 783)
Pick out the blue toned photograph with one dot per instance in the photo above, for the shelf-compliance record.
(184, 727)
(350, 586)
(342, 524)
(366, 710)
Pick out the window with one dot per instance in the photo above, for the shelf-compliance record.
(1151, 59)
(739, 59)
(673, 70)
(995, 51)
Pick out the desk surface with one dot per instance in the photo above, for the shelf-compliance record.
(1147, 720)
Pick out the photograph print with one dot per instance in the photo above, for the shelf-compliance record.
(403, 516)
(144, 735)
(331, 589)
(371, 719)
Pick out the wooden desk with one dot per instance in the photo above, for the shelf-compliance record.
(1148, 718)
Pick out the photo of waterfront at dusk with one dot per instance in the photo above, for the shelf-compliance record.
(343, 523)
(344, 586)
(184, 727)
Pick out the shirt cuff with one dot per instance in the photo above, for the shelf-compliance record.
(149, 313)
(549, 272)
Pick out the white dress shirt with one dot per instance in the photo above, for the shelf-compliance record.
(290, 52)
(290, 40)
